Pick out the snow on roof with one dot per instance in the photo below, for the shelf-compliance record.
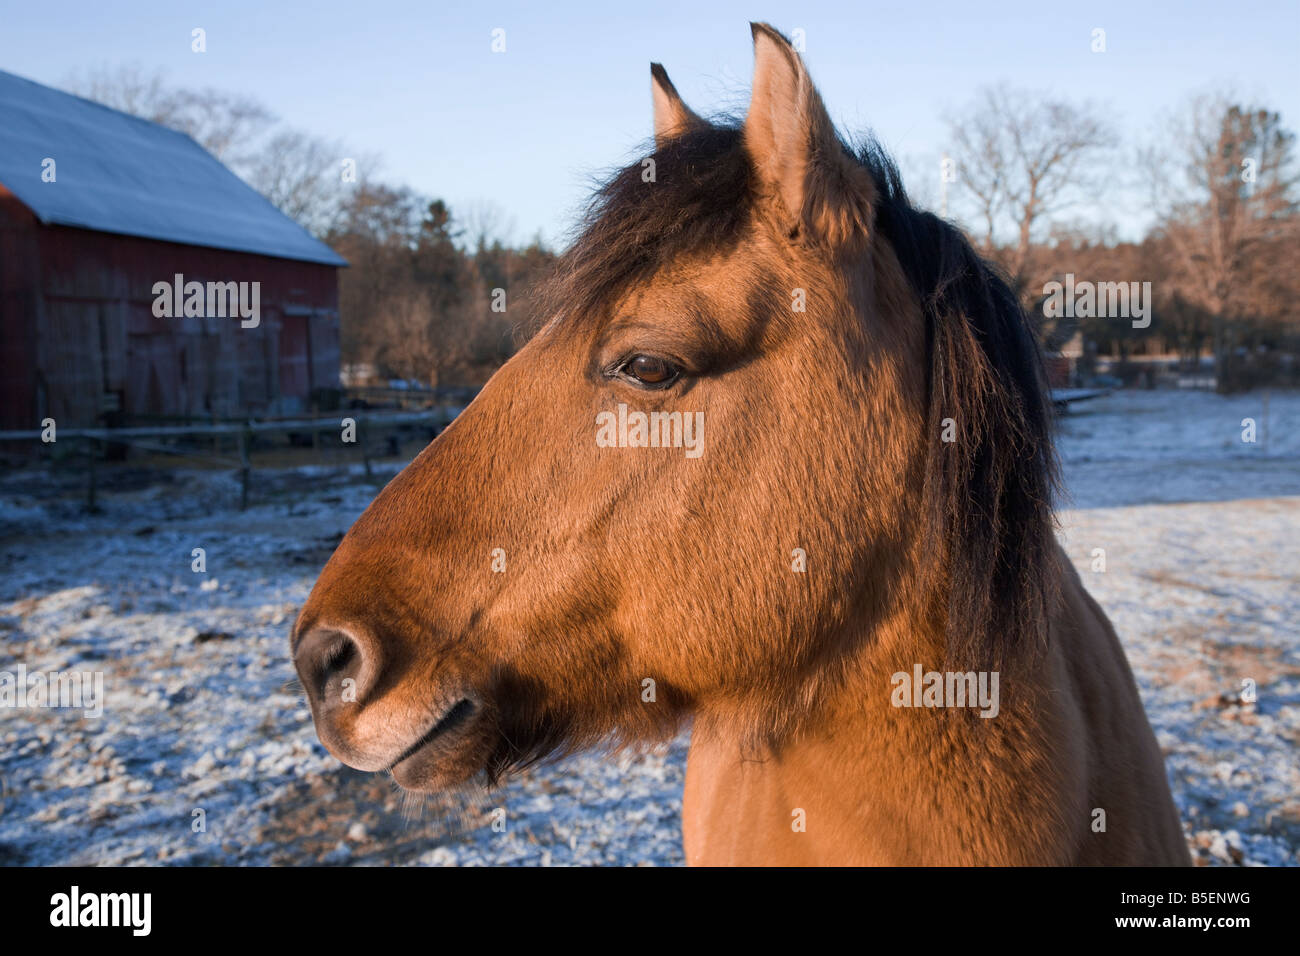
(118, 173)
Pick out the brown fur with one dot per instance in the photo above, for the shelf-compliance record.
(822, 433)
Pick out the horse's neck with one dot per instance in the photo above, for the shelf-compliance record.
(874, 778)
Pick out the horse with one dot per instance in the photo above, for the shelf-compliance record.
(776, 462)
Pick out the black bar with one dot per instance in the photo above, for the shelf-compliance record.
(936, 909)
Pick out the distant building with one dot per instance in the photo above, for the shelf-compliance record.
(99, 210)
(359, 373)
(1062, 363)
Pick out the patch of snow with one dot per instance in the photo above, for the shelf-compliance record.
(205, 753)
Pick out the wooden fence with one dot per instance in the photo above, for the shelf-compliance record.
(151, 438)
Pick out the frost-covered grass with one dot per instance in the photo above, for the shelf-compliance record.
(1200, 537)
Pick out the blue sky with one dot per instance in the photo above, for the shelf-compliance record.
(418, 84)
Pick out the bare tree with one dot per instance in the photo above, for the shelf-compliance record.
(484, 223)
(227, 125)
(981, 152)
(1025, 157)
(1224, 190)
(376, 232)
(300, 173)
(406, 341)
(303, 175)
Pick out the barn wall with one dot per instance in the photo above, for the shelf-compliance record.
(20, 312)
(100, 347)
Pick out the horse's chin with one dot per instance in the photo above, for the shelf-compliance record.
(435, 779)
(449, 759)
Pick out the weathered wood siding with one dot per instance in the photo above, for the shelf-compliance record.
(80, 336)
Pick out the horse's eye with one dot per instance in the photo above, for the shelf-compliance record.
(651, 370)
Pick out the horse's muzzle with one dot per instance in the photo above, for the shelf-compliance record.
(363, 725)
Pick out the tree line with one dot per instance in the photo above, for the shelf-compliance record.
(1219, 180)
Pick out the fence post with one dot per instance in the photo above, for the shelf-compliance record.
(1263, 431)
(245, 439)
(365, 451)
(90, 483)
(315, 431)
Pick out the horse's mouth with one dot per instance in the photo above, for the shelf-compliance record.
(444, 754)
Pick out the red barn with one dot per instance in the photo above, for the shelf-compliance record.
(99, 211)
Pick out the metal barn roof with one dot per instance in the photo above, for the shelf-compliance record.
(122, 174)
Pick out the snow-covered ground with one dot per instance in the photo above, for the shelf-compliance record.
(205, 753)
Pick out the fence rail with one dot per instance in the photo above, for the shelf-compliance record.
(244, 432)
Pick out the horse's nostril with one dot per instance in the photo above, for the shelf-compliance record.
(330, 663)
(339, 659)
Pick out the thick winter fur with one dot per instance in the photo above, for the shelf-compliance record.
(827, 538)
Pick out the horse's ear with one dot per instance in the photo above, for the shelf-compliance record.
(800, 160)
(672, 116)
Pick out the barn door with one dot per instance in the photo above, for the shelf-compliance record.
(295, 360)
